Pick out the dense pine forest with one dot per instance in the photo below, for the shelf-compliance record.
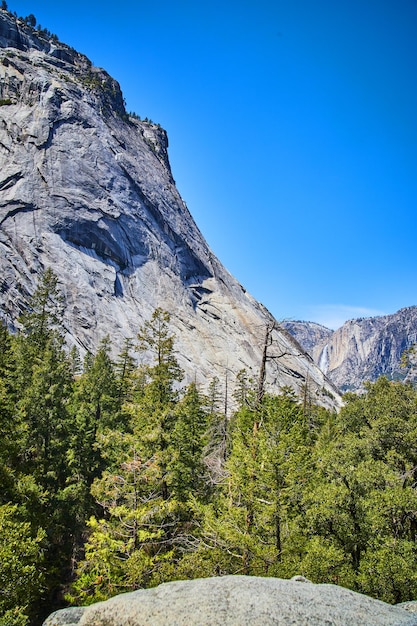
(115, 476)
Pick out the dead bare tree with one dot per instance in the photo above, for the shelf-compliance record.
(268, 342)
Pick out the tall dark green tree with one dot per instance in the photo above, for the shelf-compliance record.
(42, 384)
(247, 525)
(156, 340)
(95, 408)
(11, 427)
(187, 473)
(156, 418)
(43, 316)
(125, 370)
(218, 426)
(21, 567)
(39, 386)
(359, 526)
(147, 521)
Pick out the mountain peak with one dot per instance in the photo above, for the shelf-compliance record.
(88, 190)
(57, 58)
(362, 349)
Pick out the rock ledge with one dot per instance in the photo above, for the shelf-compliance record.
(238, 601)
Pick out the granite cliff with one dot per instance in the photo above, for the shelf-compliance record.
(87, 190)
(362, 349)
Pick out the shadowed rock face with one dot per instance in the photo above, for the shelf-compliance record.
(362, 349)
(88, 190)
(239, 601)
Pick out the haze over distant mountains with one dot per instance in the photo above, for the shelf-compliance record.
(87, 190)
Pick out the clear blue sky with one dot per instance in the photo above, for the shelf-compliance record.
(293, 135)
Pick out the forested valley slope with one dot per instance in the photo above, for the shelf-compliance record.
(116, 475)
(156, 422)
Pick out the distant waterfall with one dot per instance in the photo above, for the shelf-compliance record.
(324, 359)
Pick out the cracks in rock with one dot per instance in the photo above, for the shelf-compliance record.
(56, 125)
(22, 207)
(118, 287)
(200, 291)
(98, 250)
(199, 295)
(144, 199)
(10, 181)
(189, 263)
(294, 373)
(8, 62)
(42, 176)
(6, 148)
(209, 309)
(94, 248)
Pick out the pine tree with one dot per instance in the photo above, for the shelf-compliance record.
(11, 426)
(248, 526)
(138, 531)
(21, 567)
(359, 526)
(154, 338)
(37, 389)
(41, 383)
(123, 547)
(155, 418)
(125, 369)
(43, 317)
(96, 409)
(186, 469)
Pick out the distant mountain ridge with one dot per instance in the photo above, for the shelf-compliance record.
(362, 349)
(87, 190)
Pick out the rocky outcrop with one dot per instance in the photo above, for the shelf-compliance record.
(65, 617)
(88, 190)
(362, 349)
(311, 336)
(241, 601)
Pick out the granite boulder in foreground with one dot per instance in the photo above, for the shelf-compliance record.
(239, 600)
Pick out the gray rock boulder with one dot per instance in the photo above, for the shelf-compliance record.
(410, 606)
(241, 601)
(65, 617)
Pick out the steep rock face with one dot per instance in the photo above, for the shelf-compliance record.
(87, 190)
(362, 349)
(312, 337)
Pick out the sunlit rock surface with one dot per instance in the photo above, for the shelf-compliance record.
(239, 601)
(87, 190)
(362, 349)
